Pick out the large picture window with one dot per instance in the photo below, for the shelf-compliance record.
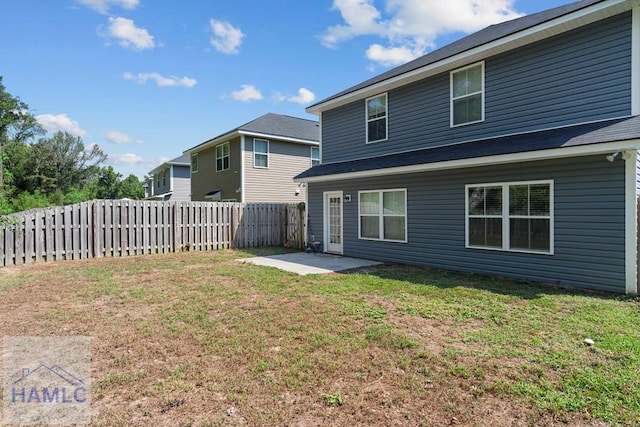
(511, 216)
(260, 153)
(467, 95)
(222, 157)
(377, 118)
(383, 215)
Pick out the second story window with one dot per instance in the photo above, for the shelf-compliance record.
(194, 163)
(260, 153)
(467, 95)
(377, 118)
(222, 157)
(315, 156)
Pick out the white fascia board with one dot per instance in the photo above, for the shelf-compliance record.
(539, 32)
(212, 142)
(278, 137)
(530, 156)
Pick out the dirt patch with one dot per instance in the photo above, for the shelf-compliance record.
(179, 343)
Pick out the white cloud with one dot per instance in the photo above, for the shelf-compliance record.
(103, 6)
(160, 80)
(129, 35)
(390, 56)
(412, 26)
(60, 122)
(304, 96)
(120, 138)
(247, 93)
(134, 159)
(226, 38)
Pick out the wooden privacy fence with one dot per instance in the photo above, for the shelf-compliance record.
(112, 228)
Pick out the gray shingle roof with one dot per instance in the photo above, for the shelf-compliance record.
(273, 125)
(180, 160)
(573, 136)
(284, 126)
(482, 37)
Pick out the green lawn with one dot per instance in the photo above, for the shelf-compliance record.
(200, 339)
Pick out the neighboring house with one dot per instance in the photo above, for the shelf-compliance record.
(255, 162)
(512, 151)
(169, 181)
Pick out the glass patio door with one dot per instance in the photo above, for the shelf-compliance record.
(333, 221)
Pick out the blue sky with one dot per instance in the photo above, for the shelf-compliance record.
(148, 79)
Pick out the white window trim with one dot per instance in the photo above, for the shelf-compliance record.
(451, 98)
(505, 217)
(311, 155)
(195, 156)
(261, 154)
(228, 155)
(381, 216)
(386, 118)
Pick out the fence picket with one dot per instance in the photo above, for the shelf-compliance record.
(110, 228)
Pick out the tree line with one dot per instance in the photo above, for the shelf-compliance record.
(37, 170)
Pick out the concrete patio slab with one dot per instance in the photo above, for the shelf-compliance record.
(303, 263)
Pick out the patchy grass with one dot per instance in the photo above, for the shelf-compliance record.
(197, 339)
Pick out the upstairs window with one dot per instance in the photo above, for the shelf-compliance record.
(222, 157)
(315, 156)
(377, 118)
(194, 163)
(467, 95)
(260, 153)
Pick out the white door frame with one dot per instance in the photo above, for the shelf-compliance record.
(330, 247)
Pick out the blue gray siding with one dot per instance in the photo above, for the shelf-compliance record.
(589, 222)
(579, 76)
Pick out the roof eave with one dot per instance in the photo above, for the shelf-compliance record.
(538, 32)
(554, 153)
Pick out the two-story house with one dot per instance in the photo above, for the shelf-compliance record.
(169, 181)
(510, 152)
(255, 162)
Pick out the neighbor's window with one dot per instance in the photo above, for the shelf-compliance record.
(194, 163)
(222, 157)
(315, 156)
(511, 216)
(383, 215)
(377, 118)
(467, 95)
(260, 153)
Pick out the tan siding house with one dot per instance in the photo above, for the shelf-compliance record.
(258, 162)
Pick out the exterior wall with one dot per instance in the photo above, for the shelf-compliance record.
(275, 184)
(162, 181)
(181, 183)
(589, 215)
(580, 76)
(208, 179)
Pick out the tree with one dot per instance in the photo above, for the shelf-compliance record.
(131, 188)
(108, 184)
(61, 163)
(16, 123)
